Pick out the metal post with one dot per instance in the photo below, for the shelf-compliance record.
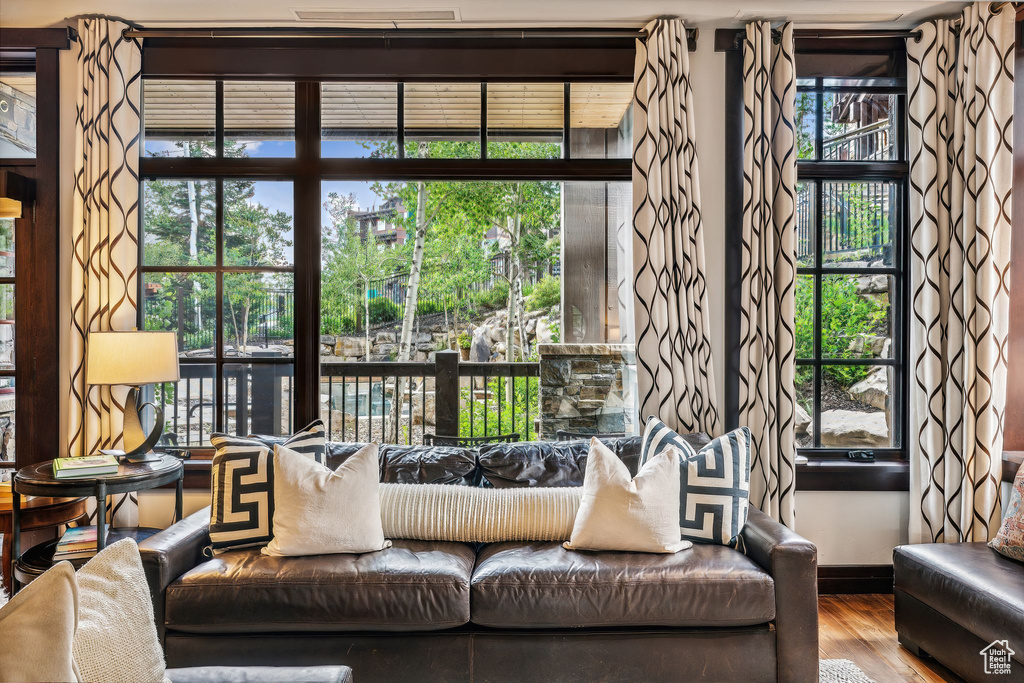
(446, 397)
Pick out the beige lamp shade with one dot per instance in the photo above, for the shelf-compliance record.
(132, 358)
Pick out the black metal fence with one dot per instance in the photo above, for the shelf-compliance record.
(856, 217)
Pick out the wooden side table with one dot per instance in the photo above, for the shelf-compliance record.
(36, 513)
(38, 480)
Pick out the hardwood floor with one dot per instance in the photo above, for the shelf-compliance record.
(861, 628)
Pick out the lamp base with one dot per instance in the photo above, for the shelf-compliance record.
(138, 446)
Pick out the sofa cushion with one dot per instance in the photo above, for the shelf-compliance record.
(414, 464)
(412, 586)
(542, 585)
(555, 463)
(969, 583)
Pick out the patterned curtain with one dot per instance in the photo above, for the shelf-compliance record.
(960, 77)
(104, 227)
(673, 352)
(767, 396)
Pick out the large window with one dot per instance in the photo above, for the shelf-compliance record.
(850, 313)
(261, 199)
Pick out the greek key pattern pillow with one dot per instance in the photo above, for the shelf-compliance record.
(242, 510)
(714, 482)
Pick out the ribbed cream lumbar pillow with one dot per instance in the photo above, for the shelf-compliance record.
(439, 512)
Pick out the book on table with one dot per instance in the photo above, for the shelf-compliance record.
(77, 543)
(87, 466)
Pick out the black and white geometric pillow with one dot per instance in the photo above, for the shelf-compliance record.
(242, 511)
(714, 482)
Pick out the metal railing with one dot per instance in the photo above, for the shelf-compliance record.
(400, 402)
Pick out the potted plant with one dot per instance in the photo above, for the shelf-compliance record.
(465, 340)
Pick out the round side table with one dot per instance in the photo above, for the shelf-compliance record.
(38, 480)
(36, 513)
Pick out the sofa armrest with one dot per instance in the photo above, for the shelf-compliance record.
(792, 562)
(170, 553)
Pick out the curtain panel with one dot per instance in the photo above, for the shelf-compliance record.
(675, 378)
(105, 216)
(960, 81)
(767, 343)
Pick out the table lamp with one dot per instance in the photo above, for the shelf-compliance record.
(133, 359)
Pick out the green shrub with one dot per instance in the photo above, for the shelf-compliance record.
(496, 297)
(336, 323)
(465, 340)
(844, 315)
(384, 311)
(547, 293)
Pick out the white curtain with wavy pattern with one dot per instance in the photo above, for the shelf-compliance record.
(675, 377)
(767, 367)
(960, 79)
(104, 228)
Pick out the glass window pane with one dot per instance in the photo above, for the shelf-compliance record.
(258, 223)
(859, 127)
(806, 117)
(806, 205)
(259, 119)
(858, 223)
(804, 382)
(259, 315)
(854, 406)
(185, 304)
(525, 120)
(6, 327)
(442, 120)
(17, 115)
(189, 406)
(358, 120)
(856, 316)
(804, 317)
(180, 118)
(259, 399)
(179, 222)
(601, 119)
(7, 445)
(6, 247)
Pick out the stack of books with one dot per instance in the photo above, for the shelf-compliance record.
(88, 466)
(76, 543)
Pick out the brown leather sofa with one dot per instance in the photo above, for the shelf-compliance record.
(953, 599)
(433, 611)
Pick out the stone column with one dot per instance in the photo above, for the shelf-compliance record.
(587, 388)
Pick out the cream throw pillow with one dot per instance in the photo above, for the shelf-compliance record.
(37, 628)
(320, 512)
(116, 638)
(639, 514)
(445, 512)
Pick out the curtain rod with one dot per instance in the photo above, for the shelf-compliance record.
(259, 32)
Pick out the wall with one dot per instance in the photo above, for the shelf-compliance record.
(849, 528)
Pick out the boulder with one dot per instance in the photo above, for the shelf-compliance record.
(336, 420)
(873, 390)
(849, 428)
(802, 421)
(543, 335)
(531, 326)
(350, 346)
(385, 338)
(419, 416)
(480, 350)
(868, 345)
(873, 284)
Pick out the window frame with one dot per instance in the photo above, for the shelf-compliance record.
(307, 169)
(896, 172)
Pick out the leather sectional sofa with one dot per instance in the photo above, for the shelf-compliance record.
(437, 611)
